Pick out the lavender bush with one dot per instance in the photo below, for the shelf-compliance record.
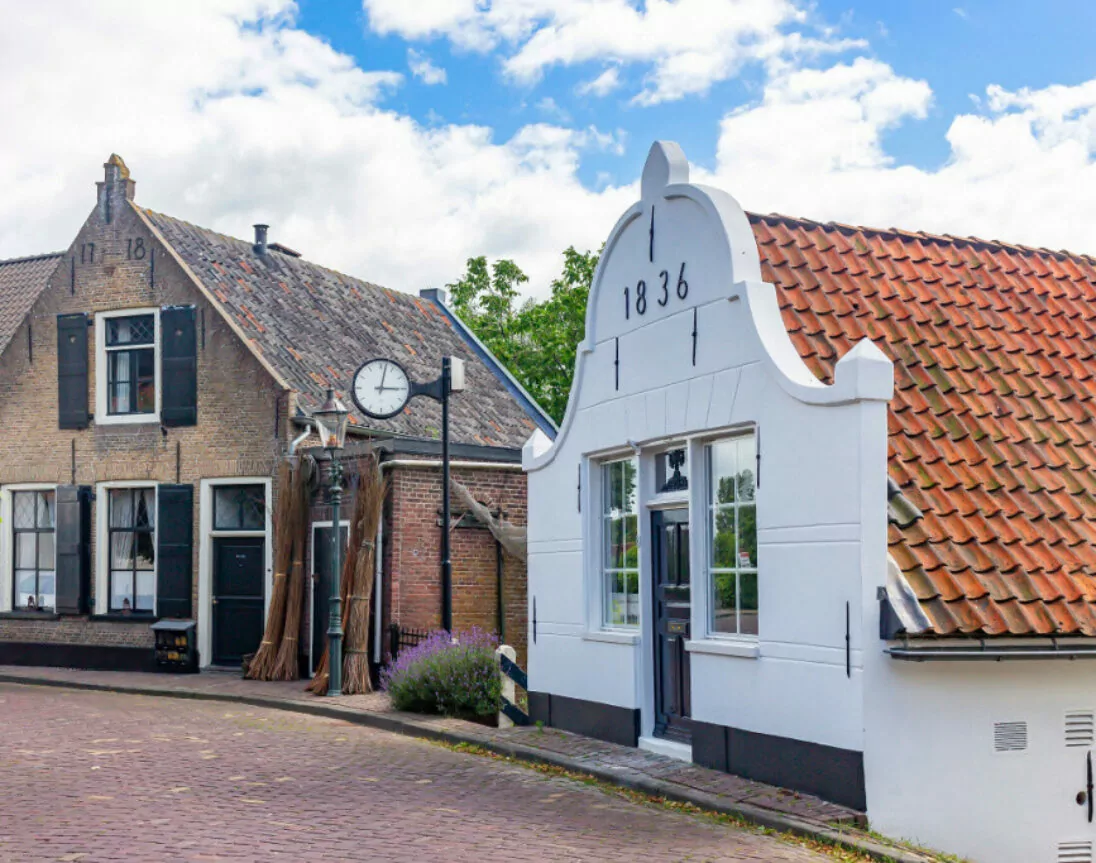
(438, 676)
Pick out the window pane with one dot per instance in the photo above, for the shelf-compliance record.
(45, 509)
(614, 543)
(632, 588)
(671, 472)
(617, 599)
(45, 551)
(121, 507)
(721, 460)
(628, 477)
(133, 330)
(119, 382)
(614, 488)
(723, 602)
(146, 551)
(23, 509)
(146, 590)
(25, 590)
(121, 551)
(121, 591)
(24, 551)
(46, 592)
(723, 538)
(747, 537)
(239, 507)
(747, 468)
(145, 507)
(747, 611)
(631, 542)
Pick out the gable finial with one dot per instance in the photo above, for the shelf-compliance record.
(666, 164)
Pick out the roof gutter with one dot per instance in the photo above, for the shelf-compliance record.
(984, 653)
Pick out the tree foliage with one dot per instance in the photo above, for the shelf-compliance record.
(536, 341)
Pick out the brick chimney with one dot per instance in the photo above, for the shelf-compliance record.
(116, 188)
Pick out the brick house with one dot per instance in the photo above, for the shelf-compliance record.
(153, 375)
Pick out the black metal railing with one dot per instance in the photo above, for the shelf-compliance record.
(400, 637)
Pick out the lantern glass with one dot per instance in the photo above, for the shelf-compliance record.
(331, 421)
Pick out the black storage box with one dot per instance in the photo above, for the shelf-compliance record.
(176, 646)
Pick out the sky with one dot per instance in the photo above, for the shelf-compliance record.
(392, 140)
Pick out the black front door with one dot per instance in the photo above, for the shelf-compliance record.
(672, 605)
(239, 568)
(321, 586)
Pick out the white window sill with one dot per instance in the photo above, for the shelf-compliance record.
(725, 647)
(611, 636)
(127, 419)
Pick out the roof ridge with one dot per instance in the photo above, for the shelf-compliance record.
(40, 257)
(297, 259)
(924, 236)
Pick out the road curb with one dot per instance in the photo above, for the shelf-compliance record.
(642, 783)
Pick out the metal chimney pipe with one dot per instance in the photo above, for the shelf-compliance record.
(260, 239)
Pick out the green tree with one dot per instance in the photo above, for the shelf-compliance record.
(536, 341)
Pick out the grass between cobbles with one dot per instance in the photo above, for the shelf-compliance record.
(832, 849)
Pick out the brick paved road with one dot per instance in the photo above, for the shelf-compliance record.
(93, 776)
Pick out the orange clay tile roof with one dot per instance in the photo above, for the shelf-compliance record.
(991, 427)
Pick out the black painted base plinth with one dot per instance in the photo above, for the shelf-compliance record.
(589, 718)
(93, 657)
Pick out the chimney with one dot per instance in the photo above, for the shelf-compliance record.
(116, 188)
(260, 239)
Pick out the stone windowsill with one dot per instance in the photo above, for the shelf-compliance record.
(29, 615)
(725, 647)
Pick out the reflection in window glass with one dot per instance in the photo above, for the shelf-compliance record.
(239, 507)
(132, 548)
(620, 538)
(732, 486)
(33, 555)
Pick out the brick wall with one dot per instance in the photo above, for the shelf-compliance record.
(241, 430)
(413, 553)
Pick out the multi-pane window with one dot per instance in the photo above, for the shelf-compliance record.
(132, 549)
(33, 528)
(131, 364)
(732, 558)
(620, 543)
(239, 507)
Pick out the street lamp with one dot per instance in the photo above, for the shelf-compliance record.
(331, 420)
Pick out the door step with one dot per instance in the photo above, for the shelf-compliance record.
(669, 748)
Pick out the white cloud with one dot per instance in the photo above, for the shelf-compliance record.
(602, 85)
(1023, 172)
(227, 114)
(688, 45)
(423, 68)
(551, 108)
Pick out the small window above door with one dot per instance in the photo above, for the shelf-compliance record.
(239, 507)
(671, 472)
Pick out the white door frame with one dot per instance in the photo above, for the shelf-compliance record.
(206, 535)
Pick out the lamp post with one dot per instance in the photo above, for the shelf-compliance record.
(331, 420)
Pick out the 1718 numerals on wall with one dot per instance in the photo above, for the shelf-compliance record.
(661, 292)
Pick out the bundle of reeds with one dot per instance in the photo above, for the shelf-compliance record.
(367, 514)
(266, 657)
(287, 665)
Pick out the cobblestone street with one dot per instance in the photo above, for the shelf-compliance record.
(92, 776)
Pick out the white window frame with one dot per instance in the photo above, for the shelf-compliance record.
(7, 544)
(102, 544)
(707, 537)
(102, 417)
(205, 554)
(597, 619)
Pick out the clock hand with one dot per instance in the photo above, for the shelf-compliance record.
(384, 374)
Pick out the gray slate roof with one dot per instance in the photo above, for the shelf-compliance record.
(315, 326)
(21, 281)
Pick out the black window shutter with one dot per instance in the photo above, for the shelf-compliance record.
(178, 366)
(174, 555)
(72, 371)
(73, 548)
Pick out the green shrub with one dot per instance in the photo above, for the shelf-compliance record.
(438, 676)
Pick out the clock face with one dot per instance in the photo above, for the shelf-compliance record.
(381, 388)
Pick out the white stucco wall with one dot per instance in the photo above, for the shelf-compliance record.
(823, 466)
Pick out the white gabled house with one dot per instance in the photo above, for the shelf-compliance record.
(798, 456)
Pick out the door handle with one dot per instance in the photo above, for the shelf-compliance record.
(214, 600)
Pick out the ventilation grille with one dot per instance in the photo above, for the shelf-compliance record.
(1080, 728)
(1010, 736)
(1074, 852)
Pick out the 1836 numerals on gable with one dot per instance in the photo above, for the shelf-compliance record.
(637, 298)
